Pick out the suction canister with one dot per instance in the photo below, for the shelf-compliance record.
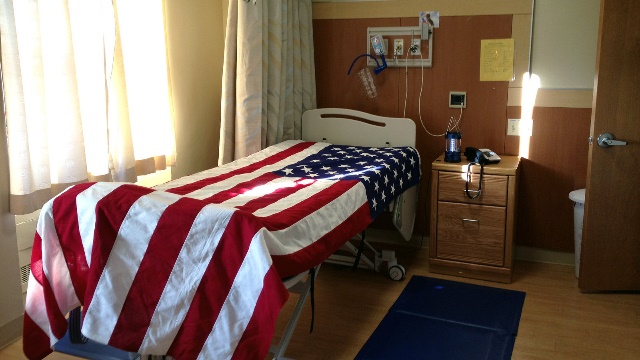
(452, 150)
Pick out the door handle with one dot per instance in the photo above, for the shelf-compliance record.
(606, 139)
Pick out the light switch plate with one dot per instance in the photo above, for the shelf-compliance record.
(513, 127)
(520, 127)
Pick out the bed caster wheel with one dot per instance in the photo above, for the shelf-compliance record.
(396, 272)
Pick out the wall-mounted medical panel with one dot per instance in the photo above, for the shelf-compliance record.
(406, 36)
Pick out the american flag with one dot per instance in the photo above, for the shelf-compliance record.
(193, 268)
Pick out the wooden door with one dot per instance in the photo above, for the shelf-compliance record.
(611, 233)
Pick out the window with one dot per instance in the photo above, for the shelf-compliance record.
(87, 98)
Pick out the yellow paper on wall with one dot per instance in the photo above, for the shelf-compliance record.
(496, 60)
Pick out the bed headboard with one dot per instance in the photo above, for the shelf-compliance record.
(352, 127)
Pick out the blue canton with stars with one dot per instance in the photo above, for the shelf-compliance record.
(386, 172)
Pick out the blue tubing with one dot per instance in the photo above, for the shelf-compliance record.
(376, 70)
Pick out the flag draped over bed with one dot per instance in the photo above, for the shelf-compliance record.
(193, 267)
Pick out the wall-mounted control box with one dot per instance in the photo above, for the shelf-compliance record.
(399, 42)
(457, 99)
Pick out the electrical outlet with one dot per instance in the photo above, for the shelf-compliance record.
(398, 47)
(415, 46)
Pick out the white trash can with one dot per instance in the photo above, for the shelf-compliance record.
(577, 196)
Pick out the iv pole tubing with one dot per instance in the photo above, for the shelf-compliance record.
(376, 70)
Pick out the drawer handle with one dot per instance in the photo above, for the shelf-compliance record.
(471, 221)
(471, 191)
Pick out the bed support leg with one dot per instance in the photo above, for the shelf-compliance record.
(359, 253)
(304, 289)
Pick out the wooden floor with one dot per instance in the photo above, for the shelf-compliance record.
(558, 321)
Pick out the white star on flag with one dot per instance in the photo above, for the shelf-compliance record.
(380, 174)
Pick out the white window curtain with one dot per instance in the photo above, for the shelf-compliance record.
(86, 89)
(268, 76)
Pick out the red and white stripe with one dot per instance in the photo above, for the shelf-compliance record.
(298, 212)
(186, 271)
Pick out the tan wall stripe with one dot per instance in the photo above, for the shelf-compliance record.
(408, 8)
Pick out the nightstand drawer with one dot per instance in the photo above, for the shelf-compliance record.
(471, 233)
(452, 188)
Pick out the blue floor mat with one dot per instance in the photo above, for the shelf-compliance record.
(441, 319)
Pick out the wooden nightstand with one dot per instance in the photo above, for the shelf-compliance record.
(473, 238)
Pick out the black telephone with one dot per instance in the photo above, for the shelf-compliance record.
(481, 156)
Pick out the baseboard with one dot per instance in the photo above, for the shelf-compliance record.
(11, 331)
(525, 253)
(544, 256)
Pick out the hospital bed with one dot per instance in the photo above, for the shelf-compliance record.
(200, 266)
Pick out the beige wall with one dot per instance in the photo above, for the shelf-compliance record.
(195, 47)
(565, 40)
(10, 290)
(407, 8)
